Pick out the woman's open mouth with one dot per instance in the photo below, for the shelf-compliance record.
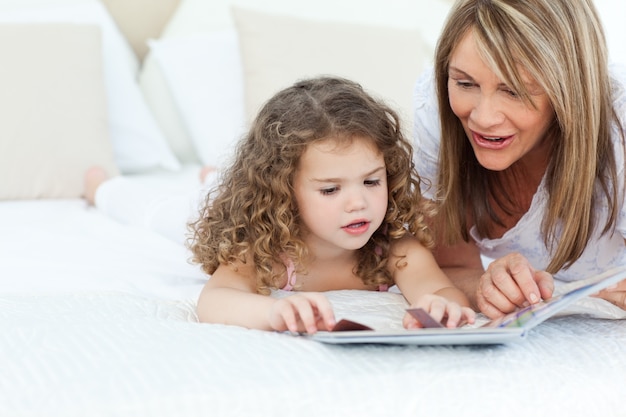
(491, 142)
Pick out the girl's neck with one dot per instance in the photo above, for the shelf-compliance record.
(318, 253)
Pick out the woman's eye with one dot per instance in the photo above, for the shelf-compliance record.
(511, 93)
(465, 84)
(372, 183)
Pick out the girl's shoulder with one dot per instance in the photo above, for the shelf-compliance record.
(407, 246)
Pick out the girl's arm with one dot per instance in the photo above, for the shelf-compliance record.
(230, 297)
(463, 266)
(425, 285)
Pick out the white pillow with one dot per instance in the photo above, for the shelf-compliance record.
(138, 143)
(192, 18)
(192, 25)
(204, 76)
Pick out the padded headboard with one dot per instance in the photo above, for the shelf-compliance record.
(140, 20)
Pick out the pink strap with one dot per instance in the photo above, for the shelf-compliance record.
(291, 275)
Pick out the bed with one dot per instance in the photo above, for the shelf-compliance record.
(97, 311)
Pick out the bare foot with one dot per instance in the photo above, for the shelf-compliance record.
(206, 170)
(93, 178)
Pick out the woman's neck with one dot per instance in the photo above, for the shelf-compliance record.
(517, 187)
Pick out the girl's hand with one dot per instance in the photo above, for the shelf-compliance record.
(302, 312)
(441, 309)
(511, 282)
(615, 294)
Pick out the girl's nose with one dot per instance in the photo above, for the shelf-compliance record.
(356, 201)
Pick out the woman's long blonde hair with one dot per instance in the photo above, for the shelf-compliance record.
(561, 45)
(252, 214)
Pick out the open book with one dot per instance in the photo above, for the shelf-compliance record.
(509, 328)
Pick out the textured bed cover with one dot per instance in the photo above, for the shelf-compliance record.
(98, 319)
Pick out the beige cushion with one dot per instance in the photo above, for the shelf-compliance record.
(53, 101)
(141, 20)
(278, 50)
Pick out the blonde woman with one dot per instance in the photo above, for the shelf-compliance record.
(520, 132)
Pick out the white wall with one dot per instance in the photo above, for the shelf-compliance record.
(612, 13)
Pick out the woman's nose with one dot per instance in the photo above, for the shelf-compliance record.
(486, 113)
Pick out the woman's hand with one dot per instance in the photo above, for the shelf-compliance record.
(615, 294)
(511, 282)
(441, 309)
(302, 312)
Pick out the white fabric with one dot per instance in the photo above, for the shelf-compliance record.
(116, 354)
(98, 319)
(50, 247)
(525, 237)
(204, 76)
(138, 143)
(162, 202)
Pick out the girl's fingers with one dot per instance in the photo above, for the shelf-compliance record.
(307, 311)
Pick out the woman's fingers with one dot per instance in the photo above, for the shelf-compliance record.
(511, 282)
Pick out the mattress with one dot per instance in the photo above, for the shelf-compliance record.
(98, 319)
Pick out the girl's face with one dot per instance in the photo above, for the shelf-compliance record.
(341, 192)
(501, 127)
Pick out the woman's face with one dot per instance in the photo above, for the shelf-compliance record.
(501, 127)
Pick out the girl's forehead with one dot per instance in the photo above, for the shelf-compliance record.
(341, 142)
(337, 153)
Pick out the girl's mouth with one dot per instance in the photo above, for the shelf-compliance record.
(357, 227)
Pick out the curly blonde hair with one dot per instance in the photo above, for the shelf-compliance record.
(252, 213)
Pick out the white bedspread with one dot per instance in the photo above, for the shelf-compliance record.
(97, 319)
(123, 355)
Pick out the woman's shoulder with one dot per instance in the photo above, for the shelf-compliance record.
(424, 90)
(617, 72)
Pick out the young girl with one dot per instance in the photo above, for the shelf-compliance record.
(322, 195)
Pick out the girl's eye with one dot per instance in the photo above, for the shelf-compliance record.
(372, 183)
(329, 190)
